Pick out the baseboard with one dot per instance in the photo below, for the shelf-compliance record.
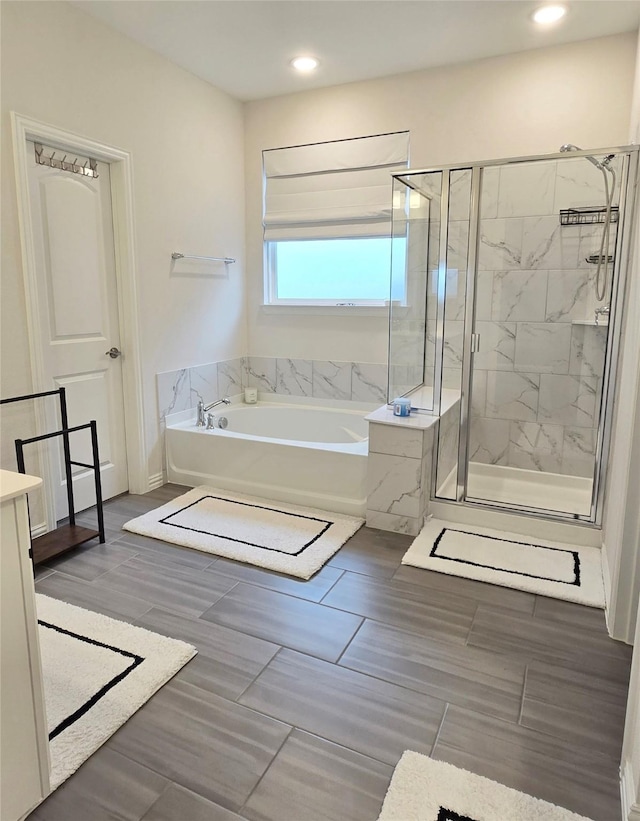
(628, 794)
(39, 530)
(156, 481)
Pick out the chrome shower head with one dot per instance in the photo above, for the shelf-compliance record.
(599, 165)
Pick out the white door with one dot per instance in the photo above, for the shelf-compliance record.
(72, 231)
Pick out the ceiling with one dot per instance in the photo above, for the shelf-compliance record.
(244, 46)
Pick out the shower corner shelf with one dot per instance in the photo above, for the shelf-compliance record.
(592, 215)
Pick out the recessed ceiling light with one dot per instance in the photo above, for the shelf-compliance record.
(549, 14)
(305, 64)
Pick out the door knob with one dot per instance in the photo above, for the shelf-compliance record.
(114, 353)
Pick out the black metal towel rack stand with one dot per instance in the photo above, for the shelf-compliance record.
(69, 535)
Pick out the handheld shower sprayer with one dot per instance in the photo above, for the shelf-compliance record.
(599, 164)
(603, 256)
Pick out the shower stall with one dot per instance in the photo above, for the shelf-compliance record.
(508, 282)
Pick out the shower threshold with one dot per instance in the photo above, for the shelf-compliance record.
(523, 488)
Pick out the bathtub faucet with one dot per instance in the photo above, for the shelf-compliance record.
(202, 409)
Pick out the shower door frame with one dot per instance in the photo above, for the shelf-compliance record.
(628, 201)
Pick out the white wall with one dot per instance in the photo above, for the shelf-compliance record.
(622, 514)
(62, 67)
(528, 103)
(621, 524)
(630, 764)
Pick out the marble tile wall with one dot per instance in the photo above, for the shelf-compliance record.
(353, 381)
(537, 371)
(182, 389)
(538, 374)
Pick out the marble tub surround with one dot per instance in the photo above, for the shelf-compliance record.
(401, 462)
(332, 380)
(294, 377)
(231, 378)
(399, 472)
(320, 379)
(174, 391)
(368, 382)
(261, 373)
(181, 390)
(338, 381)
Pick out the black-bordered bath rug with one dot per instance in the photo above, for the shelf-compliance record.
(547, 568)
(96, 673)
(286, 538)
(423, 789)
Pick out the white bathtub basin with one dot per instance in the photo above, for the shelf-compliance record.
(307, 455)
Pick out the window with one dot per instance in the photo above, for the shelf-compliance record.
(329, 271)
(327, 220)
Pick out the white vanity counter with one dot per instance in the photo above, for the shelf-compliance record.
(24, 774)
(16, 484)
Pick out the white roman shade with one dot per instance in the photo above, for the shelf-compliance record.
(334, 189)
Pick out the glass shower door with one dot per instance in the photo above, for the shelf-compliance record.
(539, 333)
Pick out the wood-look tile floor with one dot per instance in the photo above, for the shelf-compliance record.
(304, 695)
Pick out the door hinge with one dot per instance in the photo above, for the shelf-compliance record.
(475, 343)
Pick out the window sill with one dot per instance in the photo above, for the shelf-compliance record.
(381, 311)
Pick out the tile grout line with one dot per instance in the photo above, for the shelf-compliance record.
(535, 606)
(117, 617)
(213, 604)
(100, 575)
(437, 738)
(522, 697)
(148, 810)
(418, 589)
(275, 590)
(148, 553)
(292, 728)
(255, 678)
(466, 641)
(316, 734)
(286, 593)
(374, 577)
(348, 644)
(326, 593)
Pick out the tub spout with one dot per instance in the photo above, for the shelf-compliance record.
(201, 419)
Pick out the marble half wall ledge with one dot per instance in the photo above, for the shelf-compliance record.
(181, 389)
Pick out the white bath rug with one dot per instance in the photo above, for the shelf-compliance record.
(97, 672)
(277, 536)
(562, 571)
(423, 789)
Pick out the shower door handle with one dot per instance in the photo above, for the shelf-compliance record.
(475, 343)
